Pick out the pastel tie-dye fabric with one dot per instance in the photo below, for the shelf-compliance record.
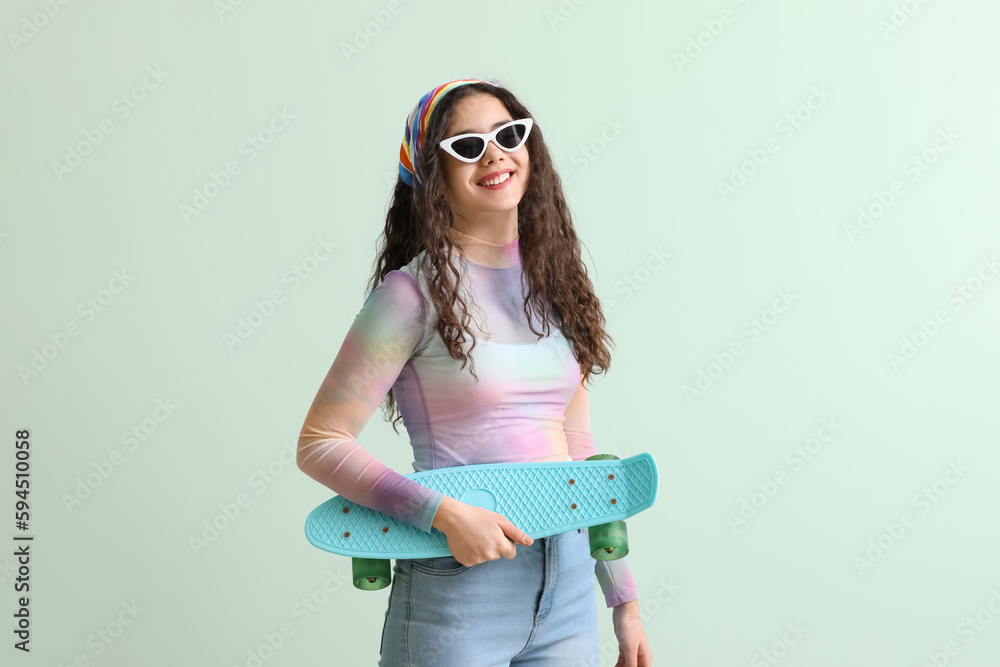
(528, 405)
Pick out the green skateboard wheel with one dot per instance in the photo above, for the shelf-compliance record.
(371, 574)
(609, 541)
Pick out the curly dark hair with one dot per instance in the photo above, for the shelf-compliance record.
(550, 250)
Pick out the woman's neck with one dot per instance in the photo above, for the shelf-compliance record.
(486, 253)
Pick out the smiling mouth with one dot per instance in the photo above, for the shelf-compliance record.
(498, 180)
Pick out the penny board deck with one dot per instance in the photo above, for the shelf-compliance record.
(541, 499)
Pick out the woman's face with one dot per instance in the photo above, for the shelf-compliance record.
(468, 199)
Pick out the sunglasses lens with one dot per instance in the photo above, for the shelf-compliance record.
(512, 136)
(469, 147)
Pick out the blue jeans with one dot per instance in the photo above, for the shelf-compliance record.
(536, 609)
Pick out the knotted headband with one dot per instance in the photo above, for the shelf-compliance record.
(416, 128)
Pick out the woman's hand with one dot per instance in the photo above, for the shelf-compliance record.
(475, 534)
(633, 647)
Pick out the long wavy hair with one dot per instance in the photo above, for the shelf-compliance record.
(550, 250)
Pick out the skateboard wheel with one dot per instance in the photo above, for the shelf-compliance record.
(609, 541)
(371, 574)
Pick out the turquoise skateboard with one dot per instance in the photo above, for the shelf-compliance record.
(541, 499)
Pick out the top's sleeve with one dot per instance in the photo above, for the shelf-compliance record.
(614, 576)
(385, 333)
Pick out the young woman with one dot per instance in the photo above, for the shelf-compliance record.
(480, 266)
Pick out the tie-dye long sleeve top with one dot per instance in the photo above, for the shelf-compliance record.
(529, 403)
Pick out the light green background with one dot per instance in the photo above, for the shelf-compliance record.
(710, 595)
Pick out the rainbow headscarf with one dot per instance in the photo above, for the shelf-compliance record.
(416, 127)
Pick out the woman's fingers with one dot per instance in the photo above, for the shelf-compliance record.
(475, 541)
(513, 532)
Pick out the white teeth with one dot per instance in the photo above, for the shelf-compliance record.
(499, 179)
